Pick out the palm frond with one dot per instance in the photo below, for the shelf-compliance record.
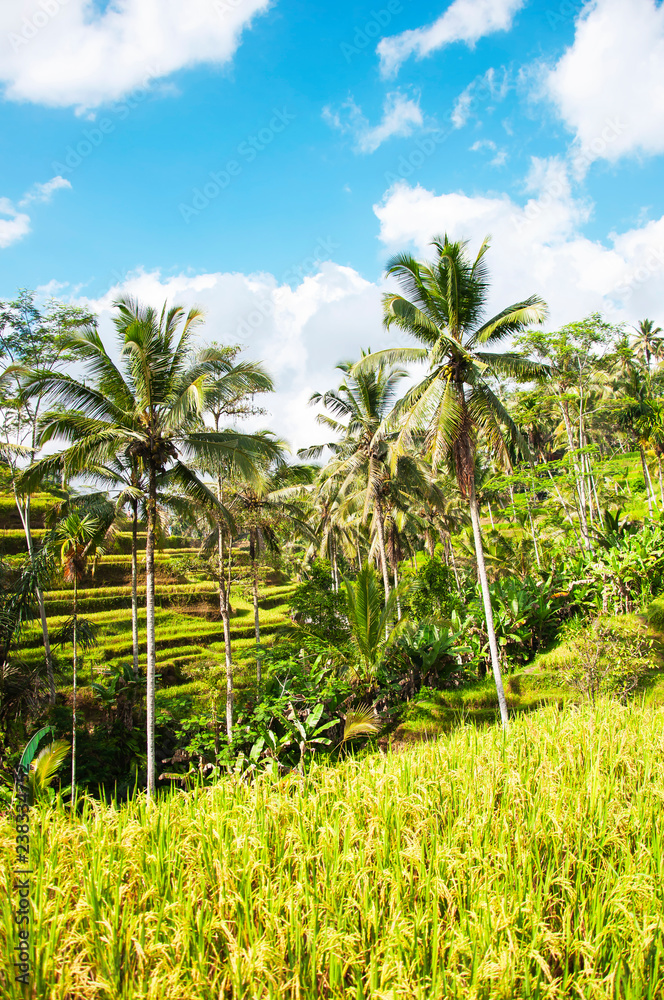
(360, 721)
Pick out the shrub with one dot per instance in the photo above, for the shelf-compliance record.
(434, 593)
(316, 605)
(606, 656)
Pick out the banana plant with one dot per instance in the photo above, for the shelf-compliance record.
(434, 647)
(309, 732)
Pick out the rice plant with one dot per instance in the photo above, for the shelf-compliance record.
(484, 865)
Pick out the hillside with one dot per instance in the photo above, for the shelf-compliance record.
(189, 627)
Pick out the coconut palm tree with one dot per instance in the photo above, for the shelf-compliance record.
(231, 387)
(639, 413)
(76, 534)
(261, 508)
(148, 407)
(647, 341)
(443, 307)
(356, 410)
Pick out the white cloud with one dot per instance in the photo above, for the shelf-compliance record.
(483, 90)
(609, 85)
(539, 247)
(300, 333)
(461, 109)
(463, 21)
(14, 225)
(401, 115)
(66, 53)
(500, 157)
(44, 192)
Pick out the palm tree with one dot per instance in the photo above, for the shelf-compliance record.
(640, 415)
(229, 388)
(370, 621)
(359, 407)
(261, 508)
(148, 407)
(647, 341)
(443, 307)
(75, 533)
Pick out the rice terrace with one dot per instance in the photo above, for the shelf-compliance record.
(331, 570)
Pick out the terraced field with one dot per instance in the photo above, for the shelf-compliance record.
(189, 627)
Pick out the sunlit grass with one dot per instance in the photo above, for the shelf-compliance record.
(478, 866)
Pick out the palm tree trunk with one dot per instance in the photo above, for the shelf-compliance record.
(335, 568)
(652, 488)
(225, 612)
(396, 589)
(646, 478)
(150, 624)
(24, 514)
(73, 724)
(661, 487)
(224, 608)
(134, 584)
(577, 475)
(253, 544)
(532, 532)
(381, 548)
(488, 611)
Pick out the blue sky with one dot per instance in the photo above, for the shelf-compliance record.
(264, 159)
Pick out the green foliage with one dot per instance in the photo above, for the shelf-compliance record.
(606, 657)
(315, 604)
(86, 633)
(433, 592)
(435, 650)
(44, 768)
(371, 621)
(30, 751)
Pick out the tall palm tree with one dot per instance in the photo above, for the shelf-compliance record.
(148, 407)
(261, 508)
(647, 341)
(639, 413)
(443, 307)
(359, 407)
(230, 388)
(75, 534)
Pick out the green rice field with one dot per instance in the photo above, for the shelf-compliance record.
(478, 865)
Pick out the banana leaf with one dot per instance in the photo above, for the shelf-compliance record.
(28, 754)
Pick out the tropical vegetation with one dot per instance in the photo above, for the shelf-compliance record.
(379, 719)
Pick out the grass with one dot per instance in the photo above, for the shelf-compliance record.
(479, 866)
(436, 712)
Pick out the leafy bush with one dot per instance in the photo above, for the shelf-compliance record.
(433, 593)
(316, 605)
(607, 656)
